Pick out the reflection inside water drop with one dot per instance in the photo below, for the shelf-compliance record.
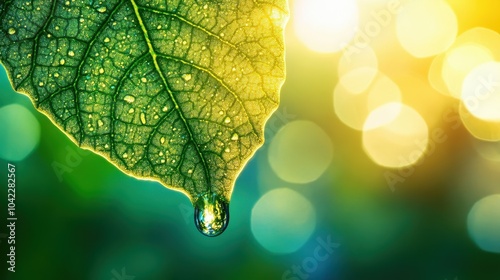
(211, 214)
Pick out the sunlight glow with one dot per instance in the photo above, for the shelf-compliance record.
(326, 26)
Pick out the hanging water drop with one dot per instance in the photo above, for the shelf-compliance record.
(211, 214)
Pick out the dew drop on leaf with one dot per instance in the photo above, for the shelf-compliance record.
(211, 214)
(12, 31)
(129, 98)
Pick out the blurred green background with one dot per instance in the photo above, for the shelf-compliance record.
(315, 181)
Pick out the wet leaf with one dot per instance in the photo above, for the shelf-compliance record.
(174, 91)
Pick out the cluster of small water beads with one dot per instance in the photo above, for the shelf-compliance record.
(211, 214)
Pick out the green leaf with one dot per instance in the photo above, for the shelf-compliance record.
(173, 91)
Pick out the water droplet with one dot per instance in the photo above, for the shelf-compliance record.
(106, 146)
(100, 123)
(12, 31)
(101, 71)
(101, 9)
(143, 118)
(41, 84)
(158, 27)
(221, 112)
(106, 40)
(211, 214)
(162, 140)
(71, 53)
(227, 120)
(187, 77)
(165, 109)
(129, 98)
(227, 150)
(131, 111)
(62, 61)
(235, 137)
(190, 171)
(160, 154)
(144, 80)
(125, 155)
(56, 75)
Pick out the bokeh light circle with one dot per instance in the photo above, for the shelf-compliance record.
(480, 129)
(300, 152)
(357, 69)
(283, 220)
(20, 130)
(471, 49)
(483, 223)
(426, 27)
(395, 135)
(481, 92)
(353, 107)
(326, 26)
(459, 62)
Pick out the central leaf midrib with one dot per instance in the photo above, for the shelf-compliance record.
(174, 100)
